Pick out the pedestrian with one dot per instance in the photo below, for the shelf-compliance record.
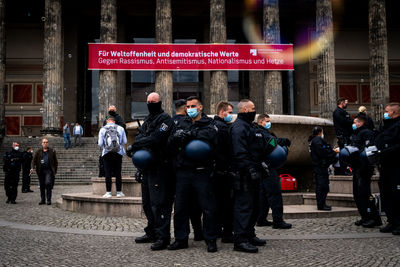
(112, 139)
(156, 182)
(388, 143)
(112, 111)
(78, 132)
(182, 121)
(222, 178)
(193, 176)
(26, 170)
(247, 147)
(67, 136)
(12, 167)
(342, 123)
(362, 174)
(45, 163)
(322, 156)
(270, 188)
(370, 123)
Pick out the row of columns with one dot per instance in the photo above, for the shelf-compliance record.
(268, 94)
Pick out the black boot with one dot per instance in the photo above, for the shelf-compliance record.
(281, 225)
(145, 239)
(255, 241)
(160, 244)
(264, 223)
(387, 228)
(178, 244)
(245, 247)
(212, 246)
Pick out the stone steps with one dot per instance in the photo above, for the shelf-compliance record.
(75, 165)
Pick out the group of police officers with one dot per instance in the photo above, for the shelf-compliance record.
(222, 186)
(382, 148)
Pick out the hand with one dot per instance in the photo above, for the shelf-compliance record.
(139, 176)
(31, 171)
(336, 149)
(129, 151)
(182, 134)
(254, 174)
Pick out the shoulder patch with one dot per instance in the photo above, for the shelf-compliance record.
(163, 127)
(216, 128)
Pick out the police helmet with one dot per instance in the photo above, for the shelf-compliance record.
(197, 150)
(142, 159)
(277, 157)
(370, 155)
(348, 154)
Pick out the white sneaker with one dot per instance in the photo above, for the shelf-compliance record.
(120, 194)
(107, 195)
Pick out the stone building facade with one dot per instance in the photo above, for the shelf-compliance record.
(348, 48)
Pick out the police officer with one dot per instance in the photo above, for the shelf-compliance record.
(270, 188)
(388, 142)
(342, 123)
(222, 178)
(322, 155)
(26, 167)
(156, 196)
(193, 177)
(247, 148)
(362, 173)
(12, 167)
(182, 121)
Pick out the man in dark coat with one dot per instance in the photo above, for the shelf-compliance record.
(26, 168)
(45, 163)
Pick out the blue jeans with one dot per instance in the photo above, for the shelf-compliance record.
(67, 138)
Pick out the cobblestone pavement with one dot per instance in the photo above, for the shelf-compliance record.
(47, 236)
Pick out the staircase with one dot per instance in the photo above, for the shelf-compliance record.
(75, 166)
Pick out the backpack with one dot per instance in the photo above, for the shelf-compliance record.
(111, 139)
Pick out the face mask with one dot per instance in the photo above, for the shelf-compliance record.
(249, 116)
(16, 148)
(322, 136)
(192, 112)
(154, 108)
(228, 118)
(112, 113)
(354, 126)
(386, 116)
(268, 125)
(31, 151)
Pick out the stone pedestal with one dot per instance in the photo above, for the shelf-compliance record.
(94, 203)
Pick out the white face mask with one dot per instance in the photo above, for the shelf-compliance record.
(322, 136)
(16, 148)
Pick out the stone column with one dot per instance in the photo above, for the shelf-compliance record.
(256, 92)
(272, 79)
(108, 78)
(2, 70)
(326, 80)
(219, 79)
(52, 68)
(164, 83)
(378, 58)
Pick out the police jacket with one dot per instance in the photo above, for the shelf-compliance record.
(321, 152)
(12, 161)
(222, 153)
(361, 138)
(388, 141)
(26, 165)
(270, 141)
(247, 145)
(204, 130)
(153, 135)
(342, 122)
(53, 162)
(181, 121)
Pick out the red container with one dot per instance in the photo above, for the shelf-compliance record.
(288, 182)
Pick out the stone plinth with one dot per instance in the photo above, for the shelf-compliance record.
(130, 187)
(94, 203)
(99, 206)
(344, 184)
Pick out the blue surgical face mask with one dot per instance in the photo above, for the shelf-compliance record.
(354, 126)
(228, 118)
(386, 116)
(267, 125)
(192, 112)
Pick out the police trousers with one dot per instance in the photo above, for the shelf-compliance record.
(389, 185)
(157, 202)
(321, 175)
(271, 196)
(11, 180)
(362, 192)
(192, 183)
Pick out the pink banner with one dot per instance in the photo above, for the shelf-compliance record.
(190, 57)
